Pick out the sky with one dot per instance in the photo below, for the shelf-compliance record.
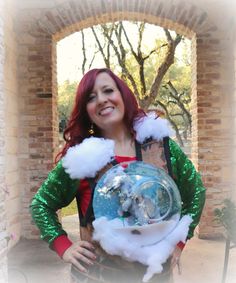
(70, 56)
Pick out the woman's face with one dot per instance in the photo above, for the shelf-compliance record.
(105, 105)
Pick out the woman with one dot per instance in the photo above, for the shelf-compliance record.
(106, 109)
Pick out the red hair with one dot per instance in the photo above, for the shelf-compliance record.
(79, 122)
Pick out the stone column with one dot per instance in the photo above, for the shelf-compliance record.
(234, 119)
(212, 122)
(38, 126)
(3, 188)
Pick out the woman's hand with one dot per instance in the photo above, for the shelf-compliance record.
(175, 260)
(80, 252)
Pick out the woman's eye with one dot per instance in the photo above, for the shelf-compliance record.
(108, 90)
(91, 97)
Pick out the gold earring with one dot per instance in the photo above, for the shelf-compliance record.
(91, 130)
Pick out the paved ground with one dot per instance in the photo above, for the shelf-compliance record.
(31, 261)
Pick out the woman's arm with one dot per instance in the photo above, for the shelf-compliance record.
(56, 192)
(189, 183)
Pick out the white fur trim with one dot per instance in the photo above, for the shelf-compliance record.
(150, 126)
(87, 158)
(154, 256)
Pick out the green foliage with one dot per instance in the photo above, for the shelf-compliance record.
(70, 209)
(179, 76)
(66, 96)
(226, 216)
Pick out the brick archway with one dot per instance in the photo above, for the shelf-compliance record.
(40, 27)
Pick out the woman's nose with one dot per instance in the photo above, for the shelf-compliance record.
(102, 98)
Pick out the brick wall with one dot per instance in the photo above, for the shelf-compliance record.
(38, 123)
(41, 26)
(3, 234)
(234, 115)
(12, 174)
(213, 122)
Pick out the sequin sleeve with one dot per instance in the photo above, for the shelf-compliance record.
(189, 183)
(56, 192)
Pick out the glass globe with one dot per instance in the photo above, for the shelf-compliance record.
(144, 198)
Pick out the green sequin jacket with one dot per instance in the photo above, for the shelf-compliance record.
(60, 189)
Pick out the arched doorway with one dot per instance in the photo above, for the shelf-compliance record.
(212, 91)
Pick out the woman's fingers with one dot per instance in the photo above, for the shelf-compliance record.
(86, 244)
(176, 257)
(174, 261)
(80, 253)
(78, 265)
(87, 253)
(79, 256)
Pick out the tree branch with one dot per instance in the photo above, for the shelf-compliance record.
(174, 93)
(163, 68)
(91, 62)
(138, 56)
(129, 43)
(84, 53)
(106, 61)
(120, 61)
(171, 122)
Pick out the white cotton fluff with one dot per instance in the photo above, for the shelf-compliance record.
(150, 126)
(87, 158)
(154, 256)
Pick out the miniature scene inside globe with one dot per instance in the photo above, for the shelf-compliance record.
(143, 198)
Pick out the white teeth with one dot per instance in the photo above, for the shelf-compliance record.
(106, 111)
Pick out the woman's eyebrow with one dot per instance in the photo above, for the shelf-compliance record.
(106, 86)
(103, 87)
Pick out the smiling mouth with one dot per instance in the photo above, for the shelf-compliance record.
(106, 111)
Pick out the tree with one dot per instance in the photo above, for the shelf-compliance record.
(148, 70)
(144, 71)
(116, 36)
(175, 98)
(66, 94)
